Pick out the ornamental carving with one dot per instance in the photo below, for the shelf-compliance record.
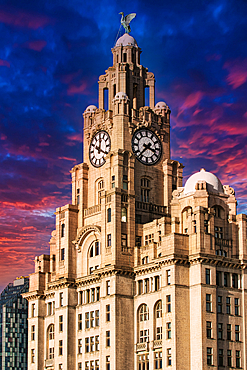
(83, 233)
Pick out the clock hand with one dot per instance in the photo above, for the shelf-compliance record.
(100, 150)
(146, 146)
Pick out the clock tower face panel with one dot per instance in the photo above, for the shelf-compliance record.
(99, 147)
(146, 146)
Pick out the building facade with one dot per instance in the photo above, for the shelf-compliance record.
(13, 326)
(143, 273)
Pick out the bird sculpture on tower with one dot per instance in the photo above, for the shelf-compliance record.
(125, 21)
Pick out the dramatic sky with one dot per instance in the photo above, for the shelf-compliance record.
(51, 54)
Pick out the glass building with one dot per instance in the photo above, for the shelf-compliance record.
(13, 325)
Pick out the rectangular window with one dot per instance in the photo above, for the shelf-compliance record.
(209, 356)
(237, 333)
(108, 312)
(97, 294)
(221, 357)
(91, 344)
(229, 358)
(169, 357)
(158, 360)
(219, 304)
(108, 339)
(113, 181)
(237, 308)
(208, 276)
(87, 322)
(51, 353)
(234, 280)
(87, 344)
(33, 310)
(220, 331)
(140, 283)
(108, 363)
(238, 362)
(144, 336)
(80, 346)
(96, 364)
(209, 329)
(208, 302)
(97, 343)
(229, 332)
(108, 287)
(79, 365)
(218, 278)
(60, 323)
(60, 348)
(97, 318)
(146, 286)
(168, 304)
(226, 279)
(228, 305)
(169, 330)
(79, 321)
(159, 333)
(109, 215)
(33, 332)
(61, 299)
(87, 365)
(32, 356)
(62, 254)
(168, 277)
(60, 366)
(156, 283)
(124, 243)
(92, 319)
(108, 240)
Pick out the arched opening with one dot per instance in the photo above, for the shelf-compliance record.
(106, 99)
(146, 96)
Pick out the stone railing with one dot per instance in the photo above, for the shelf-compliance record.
(92, 210)
(49, 363)
(150, 207)
(223, 242)
(157, 343)
(142, 347)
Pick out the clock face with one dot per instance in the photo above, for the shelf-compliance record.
(146, 146)
(99, 148)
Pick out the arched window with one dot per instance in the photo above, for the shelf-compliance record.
(145, 190)
(158, 309)
(94, 249)
(124, 214)
(143, 313)
(158, 320)
(62, 230)
(50, 341)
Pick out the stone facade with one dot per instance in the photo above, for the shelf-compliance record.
(142, 273)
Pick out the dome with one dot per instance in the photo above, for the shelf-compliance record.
(90, 109)
(161, 105)
(126, 40)
(121, 96)
(213, 183)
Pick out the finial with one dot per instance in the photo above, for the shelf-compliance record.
(125, 21)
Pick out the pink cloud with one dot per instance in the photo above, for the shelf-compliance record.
(4, 63)
(191, 100)
(37, 45)
(237, 72)
(19, 18)
(73, 89)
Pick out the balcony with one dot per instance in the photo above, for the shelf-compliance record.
(223, 242)
(142, 347)
(150, 207)
(49, 363)
(157, 343)
(92, 210)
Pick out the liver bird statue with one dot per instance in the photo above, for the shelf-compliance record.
(125, 21)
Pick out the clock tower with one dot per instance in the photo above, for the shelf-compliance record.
(136, 261)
